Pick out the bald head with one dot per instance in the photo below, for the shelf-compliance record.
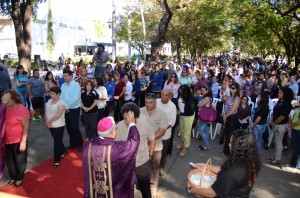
(165, 95)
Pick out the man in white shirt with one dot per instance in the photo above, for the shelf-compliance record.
(159, 122)
(169, 108)
(145, 151)
(128, 91)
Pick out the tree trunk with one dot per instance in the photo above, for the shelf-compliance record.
(22, 20)
(297, 59)
(178, 48)
(160, 39)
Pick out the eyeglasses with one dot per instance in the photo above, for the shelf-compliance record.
(150, 96)
(245, 99)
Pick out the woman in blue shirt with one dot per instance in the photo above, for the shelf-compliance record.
(157, 82)
(110, 87)
(136, 84)
(21, 82)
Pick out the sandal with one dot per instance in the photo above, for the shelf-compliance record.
(10, 182)
(274, 162)
(270, 158)
(203, 148)
(180, 146)
(63, 155)
(183, 152)
(56, 165)
(17, 184)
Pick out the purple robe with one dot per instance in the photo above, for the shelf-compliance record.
(2, 138)
(109, 166)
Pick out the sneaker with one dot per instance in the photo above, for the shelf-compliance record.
(33, 120)
(203, 148)
(39, 117)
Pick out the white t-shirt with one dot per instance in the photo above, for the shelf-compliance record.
(128, 92)
(102, 92)
(90, 72)
(170, 110)
(52, 110)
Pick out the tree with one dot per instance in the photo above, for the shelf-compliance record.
(50, 40)
(203, 26)
(269, 19)
(21, 12)
(160, 39)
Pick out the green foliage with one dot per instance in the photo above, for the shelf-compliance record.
(100, 29)
(6, 6)
(13, 63)
(50, 39)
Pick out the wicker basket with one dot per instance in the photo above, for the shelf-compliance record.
(204, 171)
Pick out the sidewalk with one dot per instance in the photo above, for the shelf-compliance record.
(272, 181)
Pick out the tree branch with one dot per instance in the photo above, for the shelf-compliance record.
(181, 6)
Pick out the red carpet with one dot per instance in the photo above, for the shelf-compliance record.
(45, 181)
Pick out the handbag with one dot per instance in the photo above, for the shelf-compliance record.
(208, 114)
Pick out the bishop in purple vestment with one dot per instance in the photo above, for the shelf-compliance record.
(2, 138)
(108, 165)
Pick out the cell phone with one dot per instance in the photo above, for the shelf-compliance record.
(192, 164)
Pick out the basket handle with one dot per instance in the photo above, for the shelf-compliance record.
(207, 167)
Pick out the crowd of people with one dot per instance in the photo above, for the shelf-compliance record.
(149, 100)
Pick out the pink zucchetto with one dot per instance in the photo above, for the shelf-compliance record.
(105, 126)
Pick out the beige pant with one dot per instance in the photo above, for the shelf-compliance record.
(279, 131)
(185, 123)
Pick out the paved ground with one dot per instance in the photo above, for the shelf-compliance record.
(273, 181)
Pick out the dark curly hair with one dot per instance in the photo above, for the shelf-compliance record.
(130, 106)
(244, 153)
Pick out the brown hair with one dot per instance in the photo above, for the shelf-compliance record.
(14, 95)
(91, 83)
(169, 79)
(238, 89)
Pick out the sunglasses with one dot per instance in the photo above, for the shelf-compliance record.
(173, 76)
(233, 88)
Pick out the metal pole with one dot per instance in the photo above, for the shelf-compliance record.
(114, 31)
(144, 29)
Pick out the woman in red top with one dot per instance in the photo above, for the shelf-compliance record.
(16, 126)
(119, 96)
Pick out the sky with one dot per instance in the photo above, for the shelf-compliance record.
(86, 9)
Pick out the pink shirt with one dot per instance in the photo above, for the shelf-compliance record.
(14, 127)
(173, 88)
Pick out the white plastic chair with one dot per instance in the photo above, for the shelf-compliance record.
(271, 134)
(217, 129)
(275, 100)
(216, 100)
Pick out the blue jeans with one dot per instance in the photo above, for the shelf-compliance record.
(258, 132)
(23, 97)
(295, 161)
(99, 71)
(203, 131)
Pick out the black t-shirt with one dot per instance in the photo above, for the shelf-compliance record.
(88, 100)
(232, 183)
(282, 108)
(263, 113)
